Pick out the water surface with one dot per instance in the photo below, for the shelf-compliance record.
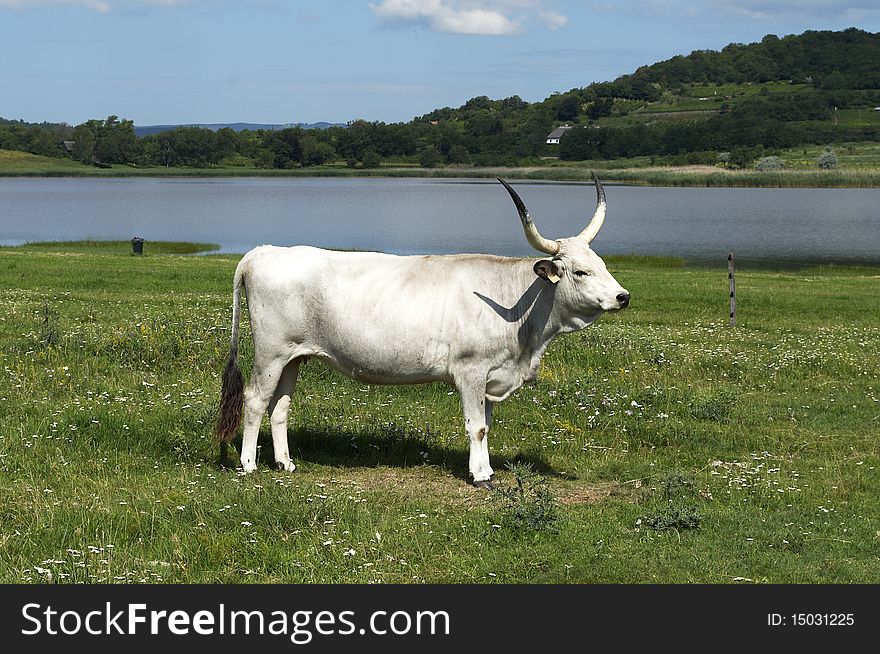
(407, 216)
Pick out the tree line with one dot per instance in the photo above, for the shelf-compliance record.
(490, 133)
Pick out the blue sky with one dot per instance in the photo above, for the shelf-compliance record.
(274, 61)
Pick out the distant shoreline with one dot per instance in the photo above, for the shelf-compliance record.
(667, 176)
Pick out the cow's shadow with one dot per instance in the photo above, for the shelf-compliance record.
(387, 445)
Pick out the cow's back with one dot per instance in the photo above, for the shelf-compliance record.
(378, 317)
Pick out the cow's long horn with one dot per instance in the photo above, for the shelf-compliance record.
(599, 216)
(534, 237)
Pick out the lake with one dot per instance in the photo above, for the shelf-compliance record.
(408, 216)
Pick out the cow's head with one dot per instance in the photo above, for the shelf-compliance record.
(582, 281)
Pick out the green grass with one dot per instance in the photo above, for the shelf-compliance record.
(730, 91)
(677, 449)
(23, 163)
(118, 247)
(852, 157)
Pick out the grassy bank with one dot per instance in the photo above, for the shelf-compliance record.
(859, 169)
(118, 247)
(676, 449)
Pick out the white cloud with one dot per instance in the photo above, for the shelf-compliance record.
(553, 19)
(482, 17)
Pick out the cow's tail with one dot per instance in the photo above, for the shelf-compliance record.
(232, 393)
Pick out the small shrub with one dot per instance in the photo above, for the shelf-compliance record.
(827, 160)
(676, 507)
(678, 517)
(676, 485)
(769, 163)
(530, 504)
(714, 406)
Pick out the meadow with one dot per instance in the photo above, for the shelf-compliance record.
(660, 445)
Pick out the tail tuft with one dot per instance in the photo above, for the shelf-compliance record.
(229, 416)
(232, 394)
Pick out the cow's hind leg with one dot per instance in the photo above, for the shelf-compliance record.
(264, 380)
(477, 414)
(279, 409)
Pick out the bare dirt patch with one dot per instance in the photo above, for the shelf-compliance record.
(584, 494)
(426, 482)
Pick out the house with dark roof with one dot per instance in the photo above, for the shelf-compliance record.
(554, 136)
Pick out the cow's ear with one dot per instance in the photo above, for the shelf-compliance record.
(547, 269)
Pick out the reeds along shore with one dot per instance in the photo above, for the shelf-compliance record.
(717, 178)
(635, 172)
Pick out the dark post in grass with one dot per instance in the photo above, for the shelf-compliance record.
(137, 245)
(731, 269)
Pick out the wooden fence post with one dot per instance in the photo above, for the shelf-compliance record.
(731, 269)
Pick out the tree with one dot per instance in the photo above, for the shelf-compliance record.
(430, 157)
(579, 144)
(371, 158)
(108, 141)
(600, 107)
(353, 140)
(742, 157)
(285, 147)
(227, 142)
(458, 154)
(568, 108)
(116, 142)
(84, 143)
(314, 152)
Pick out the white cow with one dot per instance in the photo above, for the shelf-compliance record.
(476, 321)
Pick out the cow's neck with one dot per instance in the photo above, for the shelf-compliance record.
(547, 318)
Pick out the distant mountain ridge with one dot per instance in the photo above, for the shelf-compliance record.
(146, 130)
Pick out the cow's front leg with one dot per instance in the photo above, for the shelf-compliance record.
(477, 416)
(484, 444)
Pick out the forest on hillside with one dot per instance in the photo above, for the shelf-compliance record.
(748, 99)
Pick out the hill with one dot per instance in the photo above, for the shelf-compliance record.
(817, 87)
(829, 60)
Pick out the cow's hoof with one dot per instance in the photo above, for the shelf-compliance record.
(488, 484)
(280, 466)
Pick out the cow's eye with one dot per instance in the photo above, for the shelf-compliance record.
(580, 273)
